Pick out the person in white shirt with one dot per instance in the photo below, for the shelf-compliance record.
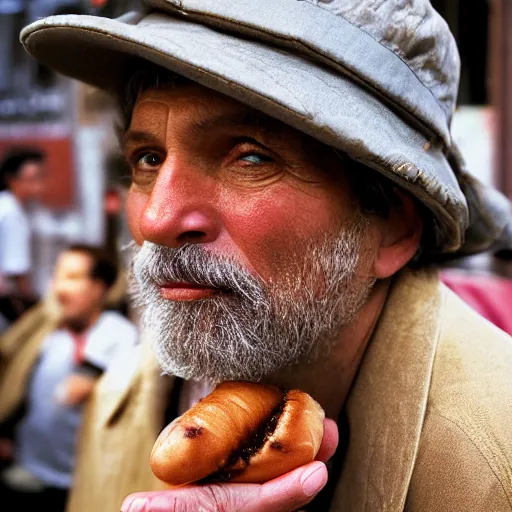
(72, 359)
(21, 182)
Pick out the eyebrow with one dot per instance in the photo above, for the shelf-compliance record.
(137, 136)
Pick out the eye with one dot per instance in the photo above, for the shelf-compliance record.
(255, 158)
(145, 166)
(146, 160)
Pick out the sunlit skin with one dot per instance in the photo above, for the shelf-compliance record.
(210, 171)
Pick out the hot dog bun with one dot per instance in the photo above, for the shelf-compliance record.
(241, 432)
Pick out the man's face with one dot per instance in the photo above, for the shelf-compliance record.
(78, 295)
(251, 238)
(28, 185)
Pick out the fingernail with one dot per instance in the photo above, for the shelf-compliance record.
(314, 480)
(137, 505)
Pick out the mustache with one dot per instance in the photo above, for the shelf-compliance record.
(192, 263)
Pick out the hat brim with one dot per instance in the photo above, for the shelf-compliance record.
(304, 94)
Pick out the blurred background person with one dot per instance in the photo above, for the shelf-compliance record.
(72, 358)
(21, 183)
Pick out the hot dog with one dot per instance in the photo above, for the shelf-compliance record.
(241, 432)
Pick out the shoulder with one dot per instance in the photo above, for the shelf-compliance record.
(459, 468)
(465, 451)
(473, 356)
(14, 221)
(122, 369)
(111, 334)
(115, 326)
(7, 201)
(9, 206)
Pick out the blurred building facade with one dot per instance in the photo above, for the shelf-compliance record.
(482, 125)
(67, 120)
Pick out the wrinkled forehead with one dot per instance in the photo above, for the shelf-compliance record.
(199, 110)
(185, 99)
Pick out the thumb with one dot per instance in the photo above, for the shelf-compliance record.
(293, 490)
(284, 494)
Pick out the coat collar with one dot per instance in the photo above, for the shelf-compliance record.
(387, 404)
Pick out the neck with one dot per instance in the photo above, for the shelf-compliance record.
(329, 379)
(80, 325)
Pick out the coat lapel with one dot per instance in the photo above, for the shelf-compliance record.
(121, 423)
(387, 404)
(385, 408)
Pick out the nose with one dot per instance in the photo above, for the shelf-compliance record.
(179, 209)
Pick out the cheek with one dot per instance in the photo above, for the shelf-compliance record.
(81, 295)
(135, 204)
(275, 228)
(86, 298)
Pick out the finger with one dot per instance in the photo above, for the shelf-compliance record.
(293, 490)
(329, 441)
(288, 492)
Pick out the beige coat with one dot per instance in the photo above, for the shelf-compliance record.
(19, 350)
(430, 416)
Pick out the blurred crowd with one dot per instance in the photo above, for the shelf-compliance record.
(65, 316)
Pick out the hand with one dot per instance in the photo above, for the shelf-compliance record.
(75, 389)
(284, 494)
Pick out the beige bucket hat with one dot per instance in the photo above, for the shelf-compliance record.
(376, 79)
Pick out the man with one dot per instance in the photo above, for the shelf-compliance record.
(291, 163)
(71, 360)
(21, 182)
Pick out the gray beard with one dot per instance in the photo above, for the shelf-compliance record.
(252, 329)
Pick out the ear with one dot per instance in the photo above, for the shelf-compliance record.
(400, 238)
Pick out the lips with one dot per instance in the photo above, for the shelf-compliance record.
(187, 291)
